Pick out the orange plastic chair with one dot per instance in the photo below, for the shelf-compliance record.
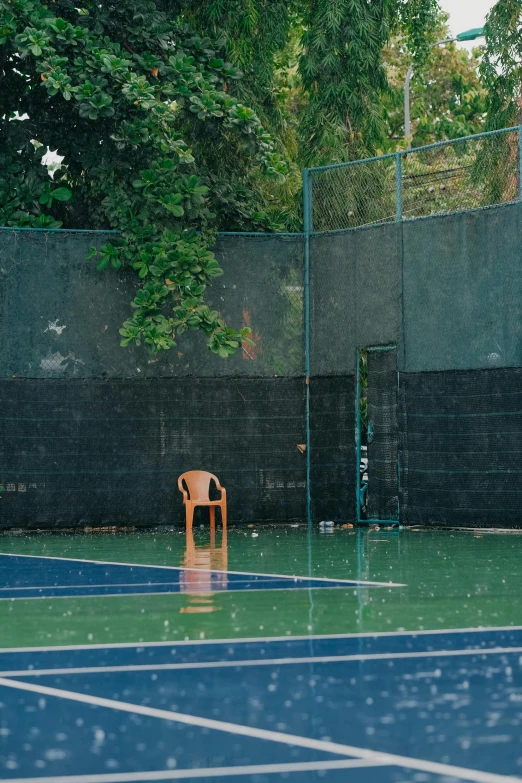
(198, 486)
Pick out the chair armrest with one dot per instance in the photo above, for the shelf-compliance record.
(223, 493)
(183, 490)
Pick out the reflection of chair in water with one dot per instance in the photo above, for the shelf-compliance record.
(197, 493)
(205, 570)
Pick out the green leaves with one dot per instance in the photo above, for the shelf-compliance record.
(172, 202)
(120, 90)
(204, 105)
(33, 41)
(98, 105)
(342, 68)
(7, 26)
(501, 67)
(60, 194)
(109, 256)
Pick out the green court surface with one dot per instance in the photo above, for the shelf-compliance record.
(446, 580)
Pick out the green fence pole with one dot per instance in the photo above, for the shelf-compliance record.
(398, 187)
(358, 436)
(308, 227)
(520, 162)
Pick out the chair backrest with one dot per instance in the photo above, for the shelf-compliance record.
(198, 483)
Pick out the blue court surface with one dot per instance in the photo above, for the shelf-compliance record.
(421, 707)
(27, 576)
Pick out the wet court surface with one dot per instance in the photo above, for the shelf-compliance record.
(136, 658)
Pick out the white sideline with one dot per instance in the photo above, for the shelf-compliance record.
(209, 591)
(202, 772)
(259, 639)
(348, 582)
(109, 584)
(477, 776)
(151, 667)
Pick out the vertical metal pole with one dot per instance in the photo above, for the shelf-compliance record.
(407, 120)
(357, 436)
(398, 187)
(398, 444)
(520, 162)
(307, 215)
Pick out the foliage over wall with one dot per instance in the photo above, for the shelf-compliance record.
(138, 105)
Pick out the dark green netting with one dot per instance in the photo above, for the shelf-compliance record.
(461, 448)
(332, 448)
(81, 452)
(448, 291)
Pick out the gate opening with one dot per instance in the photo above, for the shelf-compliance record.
(377, 435)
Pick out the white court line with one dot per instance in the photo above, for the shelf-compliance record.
(202, 772)
(260, 639)
(120, 584)
(327, 746)
(210, 590)
(348, 582)
(151, 667)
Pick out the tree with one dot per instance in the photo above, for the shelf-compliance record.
(448, 99)
(314, 70)
(502, 64)
(140, 107)
(343, 71)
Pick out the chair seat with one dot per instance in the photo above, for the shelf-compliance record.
(205, 502)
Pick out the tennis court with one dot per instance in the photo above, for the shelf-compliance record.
(343, 656)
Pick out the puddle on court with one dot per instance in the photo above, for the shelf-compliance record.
(450, 580)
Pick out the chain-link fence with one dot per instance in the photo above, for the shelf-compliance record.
(469, 173)
(353, 195)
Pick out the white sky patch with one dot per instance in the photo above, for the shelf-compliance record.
(466, 14)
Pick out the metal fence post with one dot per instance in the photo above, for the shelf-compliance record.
(358, 436)
(398, 186)
(308, 221)
(520, 162)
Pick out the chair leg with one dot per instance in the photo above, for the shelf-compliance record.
(189, 514)
(212, 510)
(224, 515)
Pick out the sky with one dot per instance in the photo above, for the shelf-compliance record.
(465, 14)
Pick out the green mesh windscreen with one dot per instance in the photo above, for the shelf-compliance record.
(355, 295)
(67, 314)
(383, 434)
(462, 301)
